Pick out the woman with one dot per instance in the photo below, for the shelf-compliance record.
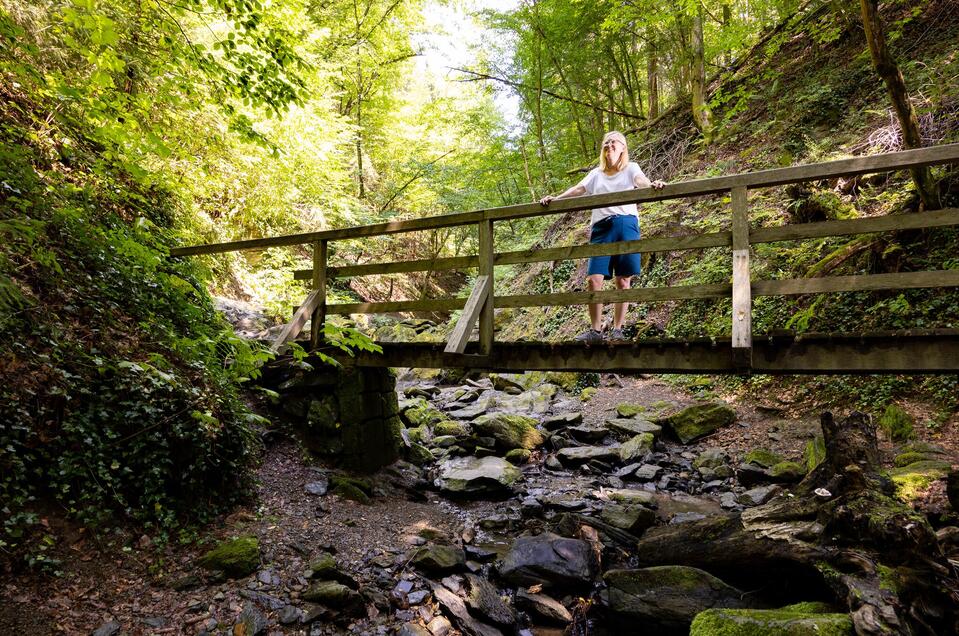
(609, 225)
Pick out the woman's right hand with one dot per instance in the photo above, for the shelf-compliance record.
(546, 200)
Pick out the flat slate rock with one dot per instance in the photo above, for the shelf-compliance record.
(476, 476)
(587, 434)
(629, 427)
(561, 420)
(583, 454)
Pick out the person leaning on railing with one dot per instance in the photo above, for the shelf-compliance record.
(610, 225)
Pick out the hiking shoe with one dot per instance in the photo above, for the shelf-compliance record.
(615, 334)
(590, 336)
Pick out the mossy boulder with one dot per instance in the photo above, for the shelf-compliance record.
(763, 457)
(450, 427)
(788, 471)
(510, 431)
(629, 410)
(419, 434)
(334, 595)
(711, 458)
(439, 559)
(323, 567)
(700, 420)
(419, 454)
(667, 597)
(636, 447)
(566, 380)
(352, 488)
(912, 480)
(469, 476)
(897, 424)
(632, 518)
(518, 456)
(419, 412)
(587, 394)
(782, 622)
(236, 558)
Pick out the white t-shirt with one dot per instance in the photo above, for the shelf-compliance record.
(598, 182)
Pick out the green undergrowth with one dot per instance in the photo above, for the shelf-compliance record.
(119, 397)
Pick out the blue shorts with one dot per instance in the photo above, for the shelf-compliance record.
(612, 229)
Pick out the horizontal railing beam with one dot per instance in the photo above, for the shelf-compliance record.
(864, 282)
(642, 246)
(799, 231)
(761, 179)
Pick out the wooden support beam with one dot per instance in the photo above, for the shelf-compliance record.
(486, 252)
(863, 282)
(295, 326)
(464, 326)
(742, 300)
(914, 351)
(319, 286)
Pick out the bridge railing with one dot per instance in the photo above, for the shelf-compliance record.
(482, 301)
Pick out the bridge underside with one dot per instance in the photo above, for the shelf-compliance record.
(889, 352)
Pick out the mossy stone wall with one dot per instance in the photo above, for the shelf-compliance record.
(348, 416)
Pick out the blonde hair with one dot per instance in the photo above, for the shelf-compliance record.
(623, 158)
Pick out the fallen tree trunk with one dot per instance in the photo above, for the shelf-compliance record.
(842, 530)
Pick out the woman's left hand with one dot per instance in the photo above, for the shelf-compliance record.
(659, 185)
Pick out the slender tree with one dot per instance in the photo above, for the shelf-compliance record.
(895, 83)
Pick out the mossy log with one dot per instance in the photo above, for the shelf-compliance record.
(841, 531)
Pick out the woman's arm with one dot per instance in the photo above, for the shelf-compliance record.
(577, 190)
(642, 181)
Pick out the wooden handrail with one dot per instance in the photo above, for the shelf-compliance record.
(947, 153)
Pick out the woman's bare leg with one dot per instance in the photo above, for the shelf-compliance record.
(595, 283)
(620, 309)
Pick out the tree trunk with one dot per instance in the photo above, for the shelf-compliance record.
(896, 87)
(652, 79)
(841, 531)
(701, 114)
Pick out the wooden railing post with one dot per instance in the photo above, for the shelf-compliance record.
(486, 253)
(742, 294)
(319, 286)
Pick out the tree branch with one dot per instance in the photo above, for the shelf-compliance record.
(483, 76)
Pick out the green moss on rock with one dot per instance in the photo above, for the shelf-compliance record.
(782, 622)
(700, 420)
(763, 457)
(897, 424)
(509, 431)
(909, 458)
(450, 427)
(636, 447)
(629, 410)
(518, 456)
(790, 471)
(352, 488)
(235, 558)
(587, 394)
(912, 480)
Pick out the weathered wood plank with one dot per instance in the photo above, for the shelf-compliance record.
(486, 269)
(891, 352)
(638, 294)
(295, 326)
(464, 326)
(742, 299)
(939, 218)
(863, 282)
(642, 246)
(441, 304)
(319, 286)
(765, 178)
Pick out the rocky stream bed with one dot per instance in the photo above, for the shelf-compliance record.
(521, 508)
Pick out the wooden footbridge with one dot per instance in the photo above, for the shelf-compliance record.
(912, 351)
